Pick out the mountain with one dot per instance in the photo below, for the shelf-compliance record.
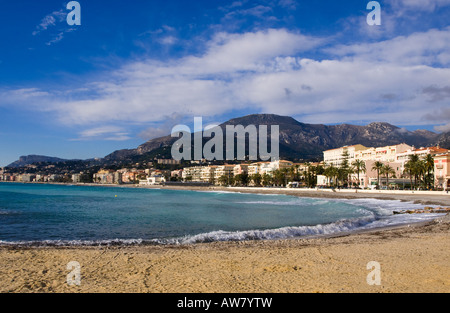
(444, 140)
(300, 141)
(30, 159)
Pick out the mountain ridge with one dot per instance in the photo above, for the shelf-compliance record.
(308, 141)
(298, 141)
(30, 159)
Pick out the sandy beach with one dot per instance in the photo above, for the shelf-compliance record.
(412, 259)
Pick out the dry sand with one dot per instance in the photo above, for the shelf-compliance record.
(412, 259)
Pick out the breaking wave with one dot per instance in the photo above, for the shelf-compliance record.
(215, 236)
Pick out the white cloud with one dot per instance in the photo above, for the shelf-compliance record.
(49, 21)
(425, 48)
(404, 6)
(442, 128)
(110, 133)
(265, 71)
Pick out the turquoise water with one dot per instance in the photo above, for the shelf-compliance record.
(60, 214)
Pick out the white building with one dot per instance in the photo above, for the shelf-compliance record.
(224, 170)
(335, 157)
(153, 180)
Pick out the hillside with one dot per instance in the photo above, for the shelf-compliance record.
(30, 159)
(300, 141)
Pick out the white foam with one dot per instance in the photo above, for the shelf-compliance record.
(280, 233)
(64, 243)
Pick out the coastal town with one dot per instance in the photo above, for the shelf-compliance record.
(399, 166)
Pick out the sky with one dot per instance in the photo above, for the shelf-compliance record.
(134, 69)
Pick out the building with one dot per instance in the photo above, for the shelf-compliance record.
(335, 157)
(168, 161)
(193, 174)
(153, 180)
(442, 171)
(27, 178)
(223, 170)
(254, 168)
(104, 177)
(369, 177)
(208, 174)
(240, 169)
(404, 157)
(76, 178)
(382, 154)
(176, 173)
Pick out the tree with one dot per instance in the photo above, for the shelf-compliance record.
(331, 172)
(378, 166)
(223, 180)
(257, 179)
(387, 170)
(429, 168)
(266, 180)
(409, 168)
(279, 177)
(359, 167)
(241, 179)
(414, 166)
(345, 169)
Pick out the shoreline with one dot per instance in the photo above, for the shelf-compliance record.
(439, 198)
(413, 258)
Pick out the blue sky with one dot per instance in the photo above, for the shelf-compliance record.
(134, 69)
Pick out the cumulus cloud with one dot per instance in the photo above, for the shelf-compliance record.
(442, 128)
(404, 6)
(266, 71)
(425, 48)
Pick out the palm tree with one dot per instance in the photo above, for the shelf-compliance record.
(296, 171)
(421, 171)
(409, 168)
(429, 167)
(223, 180)
(334, 172)
(414, 166)
(359, 167)
(388, 170)
(266, 180)
(378, 166)
(256, 178)
(328, 173)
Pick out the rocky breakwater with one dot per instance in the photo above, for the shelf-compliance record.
(425, 210)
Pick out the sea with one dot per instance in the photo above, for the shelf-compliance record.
(66, 215)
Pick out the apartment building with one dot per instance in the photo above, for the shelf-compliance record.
(208, 173)
(442, 171)
(223, 170)
(193, 173)
(404, 156)
(335, 157)
(240, 169)
(381, 154)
